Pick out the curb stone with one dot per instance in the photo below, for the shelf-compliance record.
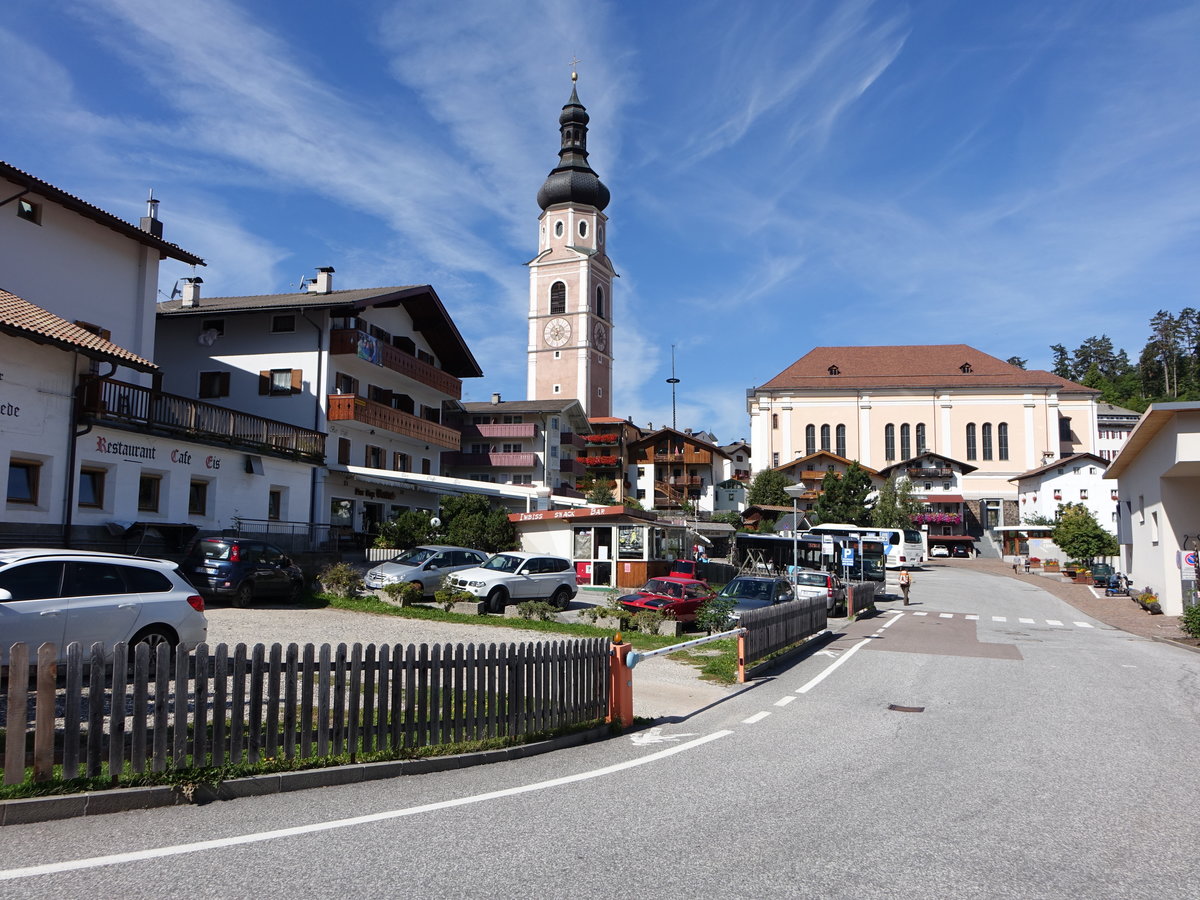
(28, 810)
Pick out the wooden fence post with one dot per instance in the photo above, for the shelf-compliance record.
(741, 658)
(620, 677)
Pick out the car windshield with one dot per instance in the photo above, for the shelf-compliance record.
(503, 563)
(659, 586)
(811, 578)
(744, 588)
(414, 557)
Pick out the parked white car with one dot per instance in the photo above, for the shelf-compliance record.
(66, 596)
(515, 576)
(424, 566)
(820, 584)
(938, 550)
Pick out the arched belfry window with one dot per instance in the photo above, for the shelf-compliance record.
(558, 298)
(600, 302)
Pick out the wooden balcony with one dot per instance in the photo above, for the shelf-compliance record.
(478, 432)
(916, 472)
(571, 439)
(350, 341)
(813, 474)
(490, 460)
(351, 408)
(150, 412)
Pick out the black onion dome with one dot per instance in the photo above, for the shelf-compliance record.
(573, 180)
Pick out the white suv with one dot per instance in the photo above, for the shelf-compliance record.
(75, 596)
(515, 576)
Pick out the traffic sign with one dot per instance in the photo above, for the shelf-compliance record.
(847, 556)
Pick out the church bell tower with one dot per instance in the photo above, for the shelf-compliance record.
(570, 279)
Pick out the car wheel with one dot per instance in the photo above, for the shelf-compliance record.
(561, 598)
(244, 595)
(296, 592)
(497, 600)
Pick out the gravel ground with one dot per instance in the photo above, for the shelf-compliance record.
(661, 687)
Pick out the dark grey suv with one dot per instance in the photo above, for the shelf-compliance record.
(243, 570)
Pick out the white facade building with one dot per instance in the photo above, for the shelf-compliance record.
(1077, 479)
(1157, 474)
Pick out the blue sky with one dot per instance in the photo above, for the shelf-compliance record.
(784, 174)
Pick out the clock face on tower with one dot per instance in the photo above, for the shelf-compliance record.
(557, 332)
(600, 336)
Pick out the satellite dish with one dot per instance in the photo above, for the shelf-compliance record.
(208, 337)
(435, 522)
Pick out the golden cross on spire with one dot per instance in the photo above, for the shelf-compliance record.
(574, 64)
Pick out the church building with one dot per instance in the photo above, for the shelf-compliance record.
(570, 279)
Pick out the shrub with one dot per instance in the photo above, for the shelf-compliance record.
(1189, 623)
(341, 579)
(713, 615)
(648, 620)
(403, 593)
(537, 609)
(446, 598)
(610, 608)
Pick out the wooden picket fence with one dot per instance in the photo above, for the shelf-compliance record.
(774, 628)
(159, 711)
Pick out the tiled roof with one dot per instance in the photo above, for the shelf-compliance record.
(1065, 461)
(911, 366)
(21, 318)
(420, 301)
(96, 214)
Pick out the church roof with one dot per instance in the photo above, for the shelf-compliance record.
(573, 180)
(911, 366)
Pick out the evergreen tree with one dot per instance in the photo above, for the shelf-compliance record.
(1062, 361)
(767, 489)
(844, 497)
(896, 504)
(1017, 361)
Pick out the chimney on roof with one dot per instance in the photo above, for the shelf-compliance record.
(323, 283)
(496, 398)
(150, 223)
(190, 295)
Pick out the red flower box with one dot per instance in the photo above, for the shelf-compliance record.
(605, 461)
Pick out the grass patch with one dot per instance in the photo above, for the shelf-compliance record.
(187, 780)
(717, 661)
(370, 604)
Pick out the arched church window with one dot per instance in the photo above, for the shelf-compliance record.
(600, 302)
(583, 228)
(558, 228)
(558, 298)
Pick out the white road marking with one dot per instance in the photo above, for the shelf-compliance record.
(757, 717)
(1083, 624)
(655, 736)
(784, 701)
(845, 656)
(920, 614)
(1126, 666)
(1026, 621)
(1053, 622)
(834, 654)
(96, 862)
(891, 622)
(946, 616)
(972, 618)
(999, 619)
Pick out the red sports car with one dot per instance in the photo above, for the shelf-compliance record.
(673, 595)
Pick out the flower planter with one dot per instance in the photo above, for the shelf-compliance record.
(1084, 579)
(1050, 567)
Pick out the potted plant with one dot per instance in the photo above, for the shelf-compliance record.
(1147, 600)
(1050, 565)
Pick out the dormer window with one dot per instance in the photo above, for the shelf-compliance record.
(834, 370)
(965, 368)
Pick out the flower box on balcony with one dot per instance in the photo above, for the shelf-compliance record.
(601, 438)
(599, 461)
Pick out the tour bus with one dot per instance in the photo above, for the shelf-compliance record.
(905, 546)
(771, 554)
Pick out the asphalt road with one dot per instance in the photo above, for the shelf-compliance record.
(1051, 759)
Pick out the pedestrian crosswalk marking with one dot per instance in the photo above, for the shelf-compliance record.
(1053, 622)
(946, 616)
(920, 614)
(999, 619)
(1026, 621)
(973, 618)
(1083, 624)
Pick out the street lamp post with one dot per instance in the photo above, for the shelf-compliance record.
(795, 491)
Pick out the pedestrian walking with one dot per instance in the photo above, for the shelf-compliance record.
(905, 584)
